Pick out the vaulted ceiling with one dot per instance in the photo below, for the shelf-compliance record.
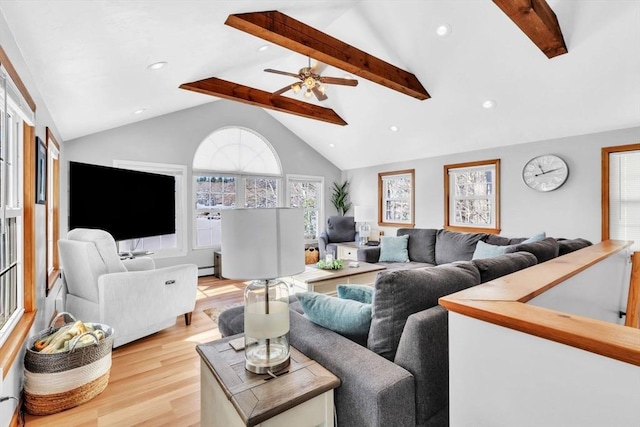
(89, 60)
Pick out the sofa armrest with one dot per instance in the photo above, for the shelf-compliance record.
(370, 254)
(424, 351)
(323, 241)
(139, 264)
(374, 392)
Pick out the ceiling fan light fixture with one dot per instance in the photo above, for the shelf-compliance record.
(307, 94)
(295, 87)
(310, 82)
(322, 89)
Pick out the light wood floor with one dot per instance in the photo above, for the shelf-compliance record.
(155, 381)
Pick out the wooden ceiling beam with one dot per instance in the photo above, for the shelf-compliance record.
(294, 35)
(538, 21)
(249, 95)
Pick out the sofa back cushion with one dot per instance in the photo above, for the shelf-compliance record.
(492, 268)
(422, 244)
(400, 293)
(341, 229)
(544, 249)
(567, 246)
(452, 246)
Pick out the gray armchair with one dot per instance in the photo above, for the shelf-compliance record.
(131, 296)
(339, 229)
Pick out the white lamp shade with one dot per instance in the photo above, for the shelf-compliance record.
(259, 244)
(364, 214)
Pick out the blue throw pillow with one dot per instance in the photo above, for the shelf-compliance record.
(344, 316)
(360, 293)
(535, 238)
(394, 249)
(485, 250)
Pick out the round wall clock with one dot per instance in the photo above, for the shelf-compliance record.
(545, 173)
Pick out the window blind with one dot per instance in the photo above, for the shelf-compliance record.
(624, 197)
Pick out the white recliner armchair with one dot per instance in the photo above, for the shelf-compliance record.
(131, 296)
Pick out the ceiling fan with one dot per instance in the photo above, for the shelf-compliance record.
(311, 81)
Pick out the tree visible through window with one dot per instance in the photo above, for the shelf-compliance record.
(472, 196)
(307, 193)
(396, 198)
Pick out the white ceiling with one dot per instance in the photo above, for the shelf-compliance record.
(89, 60)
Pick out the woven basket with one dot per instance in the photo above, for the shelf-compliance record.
(59, 381)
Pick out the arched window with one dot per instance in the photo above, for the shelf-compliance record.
(232, 167)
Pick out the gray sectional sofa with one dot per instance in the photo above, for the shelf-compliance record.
(398, 375)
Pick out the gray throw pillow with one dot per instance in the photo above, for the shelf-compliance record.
(400, 293)
(452, 246)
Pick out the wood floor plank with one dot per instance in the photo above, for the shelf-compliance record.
(155, 381)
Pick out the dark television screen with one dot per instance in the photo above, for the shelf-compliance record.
(128, 204)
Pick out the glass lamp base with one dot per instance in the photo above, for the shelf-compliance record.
(364, 231)
(263, 357)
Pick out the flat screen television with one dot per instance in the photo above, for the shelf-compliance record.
(128, 204)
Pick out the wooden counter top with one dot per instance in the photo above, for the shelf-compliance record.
(503, 302)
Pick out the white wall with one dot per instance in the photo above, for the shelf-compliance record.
(571, 211)
(499, 377)
(174, 138)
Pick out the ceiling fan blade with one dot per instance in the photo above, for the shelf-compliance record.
(283, 90)
(318, 67)
(338, 81)
(284, 73)
(321, 96)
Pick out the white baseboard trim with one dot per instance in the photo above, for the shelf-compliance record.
(205, 271)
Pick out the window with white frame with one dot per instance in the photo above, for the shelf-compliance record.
(14, 113)
(472, 196)
(621, 207)
(307, 192)
(168, 245)
(396, 198)
(232, 167)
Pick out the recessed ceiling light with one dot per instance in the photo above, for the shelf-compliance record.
(489, 104)
(263, 48)
(332, 145)
(140, 111)
(394, 128)
(443, 30)
(157, 65)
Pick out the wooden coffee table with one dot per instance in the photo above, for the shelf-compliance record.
(325, 281)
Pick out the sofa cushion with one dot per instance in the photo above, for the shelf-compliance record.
(394, 248)
(422, 244)
(400, 293)
(566, 246)
(544, 250)
(344, 316)
(360, 293)
(492, 268)
(452, 246)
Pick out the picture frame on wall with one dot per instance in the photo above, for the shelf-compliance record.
(41, 172)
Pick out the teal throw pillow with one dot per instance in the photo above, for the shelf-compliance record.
(394, 248)
(485, 250)
(344, 316)
(360, 293)
(535, 238)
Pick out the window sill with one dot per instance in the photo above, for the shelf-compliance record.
(17, 337)
(472, 229)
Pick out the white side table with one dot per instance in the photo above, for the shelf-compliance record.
(231, 396)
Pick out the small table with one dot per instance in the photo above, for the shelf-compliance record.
(232, 396)
(325, 281)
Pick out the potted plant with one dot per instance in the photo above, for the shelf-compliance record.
(339, 198)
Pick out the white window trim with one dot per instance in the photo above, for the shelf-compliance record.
(180, 172)
(320, 180)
